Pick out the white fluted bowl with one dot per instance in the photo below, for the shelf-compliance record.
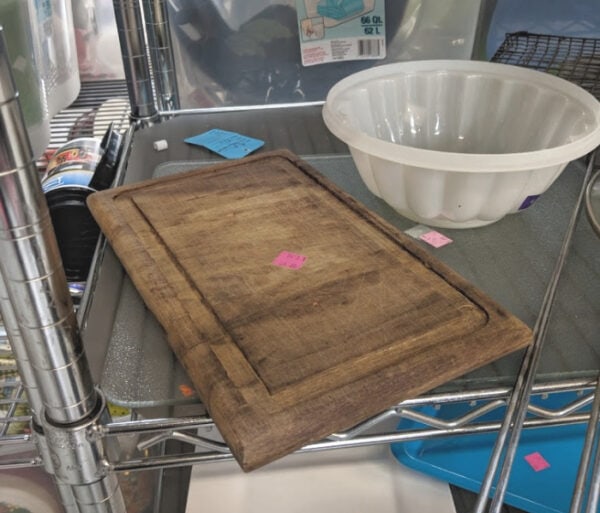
(460, 144)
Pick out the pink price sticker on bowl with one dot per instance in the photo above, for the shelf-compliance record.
(289, 260)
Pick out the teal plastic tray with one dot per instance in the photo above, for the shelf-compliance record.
(544, 471)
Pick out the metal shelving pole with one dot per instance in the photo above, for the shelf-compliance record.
(135, 54)
(503, 455)
(156, 16)
(34, 397)
(38, 311)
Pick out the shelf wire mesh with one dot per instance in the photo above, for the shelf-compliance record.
(576, 59)
(98, 104)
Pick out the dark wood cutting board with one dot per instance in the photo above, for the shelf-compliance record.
(284, 352)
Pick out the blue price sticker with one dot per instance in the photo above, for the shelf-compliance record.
(230, 145)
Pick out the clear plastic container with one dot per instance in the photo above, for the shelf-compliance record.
(54, 39)
(97, 40)
(460, 144)
(15, 19)
(246, 52)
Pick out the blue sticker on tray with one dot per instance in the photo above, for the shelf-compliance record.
(230, 145)
(529, 200)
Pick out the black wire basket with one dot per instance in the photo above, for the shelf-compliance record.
(576, 59)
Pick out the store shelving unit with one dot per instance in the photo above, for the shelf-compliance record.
(546, 300)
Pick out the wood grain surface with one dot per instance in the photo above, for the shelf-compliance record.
(283, 355)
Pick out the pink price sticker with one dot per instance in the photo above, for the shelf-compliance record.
(537, 462)
(289, 260)
(435, 239)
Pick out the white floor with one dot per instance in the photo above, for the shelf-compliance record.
(360, 480)
(30, 489)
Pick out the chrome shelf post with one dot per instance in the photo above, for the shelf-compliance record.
(38, 311)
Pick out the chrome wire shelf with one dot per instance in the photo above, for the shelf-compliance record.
(15, 417)
(101, 103)
(98, 105)
(201, 433)
(14, 409)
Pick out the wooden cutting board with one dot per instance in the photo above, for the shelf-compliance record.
(295, 311)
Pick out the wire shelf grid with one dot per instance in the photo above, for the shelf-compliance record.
(576, 59)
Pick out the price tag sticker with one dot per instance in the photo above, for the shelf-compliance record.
(435, 239)
(528, 201)
(537, 462)
(289, 260)
(416, 231)
(230, 145)
(186, 390)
